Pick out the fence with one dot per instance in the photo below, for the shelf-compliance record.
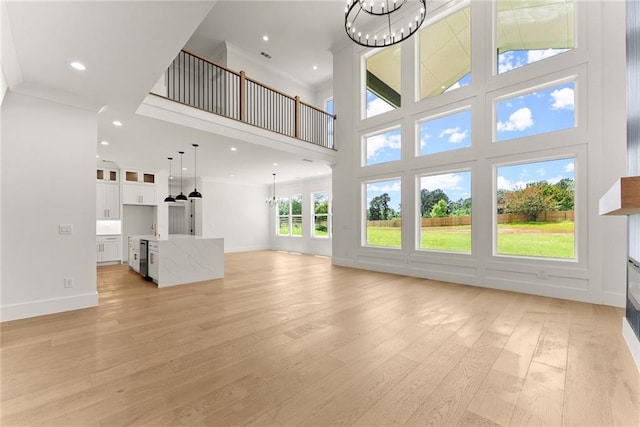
(551, 216)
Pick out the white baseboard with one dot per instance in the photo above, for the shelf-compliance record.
(48, 306)
(614, 299)
(632, 341)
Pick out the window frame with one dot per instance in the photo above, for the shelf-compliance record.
(315, 215)
(290, 216)
(365, 207)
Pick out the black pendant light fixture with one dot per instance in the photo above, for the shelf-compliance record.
(195, 194)
(272, 201)
(169, 198)
(181, 197)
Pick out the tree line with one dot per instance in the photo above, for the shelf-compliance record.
(531, 200)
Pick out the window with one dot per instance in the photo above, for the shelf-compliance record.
(540, 111)
(383, 223)
(383, 88)
(328, 105)
(382, 147)
(445, 212)
(535, 209)
(445, 54)
(321, 209)
(528, 32)
(290, 215)
(445, 133)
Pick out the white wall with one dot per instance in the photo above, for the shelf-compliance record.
(305, 243)
(234, 212)
(597, 142)
(48, 170)
(261, 71)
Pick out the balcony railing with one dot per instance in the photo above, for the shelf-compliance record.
(194, 81)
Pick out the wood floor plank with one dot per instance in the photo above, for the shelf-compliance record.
(289, 339)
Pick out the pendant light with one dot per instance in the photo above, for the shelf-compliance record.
(195, 194)
(181, 197)
(169, 198)
(271, 202)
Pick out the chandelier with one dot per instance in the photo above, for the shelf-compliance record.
(273, 201)
(383, 23)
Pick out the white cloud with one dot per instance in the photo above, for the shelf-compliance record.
(504, 184)
(454, 86)
(570, 167)
(562, 99)
(455, 136)
(541, 172)
(448, 181)
(384, 188)
(538, 55)
(507, 61)
(518, 121)
(378, 106)
(378, 143)
(555, 180)
(424, 138)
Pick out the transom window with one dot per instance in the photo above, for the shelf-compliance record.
(382, 147)
(535, 112)
(529, 32)
(445, 133)
(383, 82)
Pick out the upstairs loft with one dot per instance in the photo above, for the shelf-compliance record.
(198, 83)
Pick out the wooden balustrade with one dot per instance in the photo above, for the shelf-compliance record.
(200, 83)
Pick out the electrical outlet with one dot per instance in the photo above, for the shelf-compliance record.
(65, 229)
(68, 282)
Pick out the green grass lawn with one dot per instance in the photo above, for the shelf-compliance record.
(546, 239)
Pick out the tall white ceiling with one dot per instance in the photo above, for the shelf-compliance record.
(126, 45)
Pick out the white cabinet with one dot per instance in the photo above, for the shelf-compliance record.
(107, 175)
(134, 255)
(138, 194)
(108, 248)
(107, 200)
(135, 176)
(153, 260)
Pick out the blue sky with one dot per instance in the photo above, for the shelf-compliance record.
(383, 147)
(446, 133)
(515, 177)
(545, 110)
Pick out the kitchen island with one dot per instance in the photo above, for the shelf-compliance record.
(182, 259)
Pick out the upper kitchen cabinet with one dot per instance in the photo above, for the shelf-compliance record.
(107, 175)
(138, 187)
(133, 176)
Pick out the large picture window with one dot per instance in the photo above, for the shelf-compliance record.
(538, 111)
(445, 133)
(535, 209)
(290, 215)
(445, 212)
(528, 32)
(383, 223)
(321, 214)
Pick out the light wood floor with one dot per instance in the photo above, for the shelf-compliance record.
(290, 340)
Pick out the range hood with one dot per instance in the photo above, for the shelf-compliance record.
(623, 198)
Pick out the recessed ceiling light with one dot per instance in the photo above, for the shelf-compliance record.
(104, 142)
(265, 38)
(78, 66)
(170, 177)
(275, 164)
(117, 123)
(184, 169)
(315, 67)
(97, 156)
(232, 175)
(233, 149)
